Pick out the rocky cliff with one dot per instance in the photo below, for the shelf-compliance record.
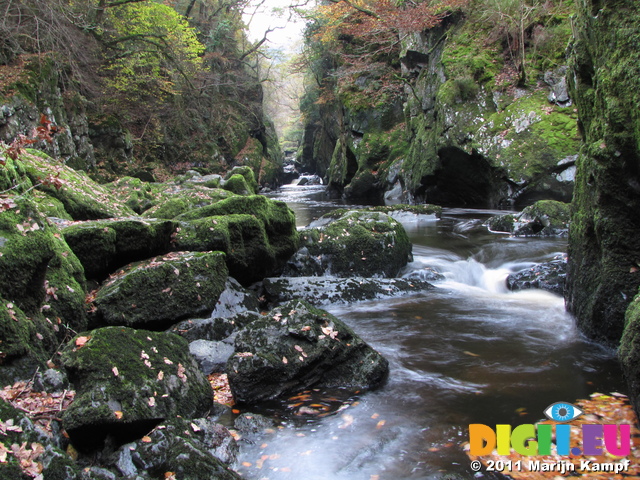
(464, 131)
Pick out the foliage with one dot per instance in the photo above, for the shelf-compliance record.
(149, 47)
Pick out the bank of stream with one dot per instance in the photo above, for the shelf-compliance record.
(467, 352)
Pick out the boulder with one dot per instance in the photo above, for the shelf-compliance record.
(256, 247)
(127, 381)
(247, 184)
(211, 356)
(359, 243)
(297, 346)
(193, 450)
(82, 198)
(161, 291)
(548, 276)
(543, 218)
(31, 453)
(326, 291)
(103, 246)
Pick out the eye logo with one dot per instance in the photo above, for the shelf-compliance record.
(562, 412)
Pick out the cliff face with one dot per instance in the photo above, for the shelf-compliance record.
(461, 133)
(604, 250)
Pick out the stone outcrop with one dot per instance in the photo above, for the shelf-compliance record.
(603, 272)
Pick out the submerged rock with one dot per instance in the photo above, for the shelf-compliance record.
(128, 381)
(543, 218)
(325, 291)
(297, 346)
(163, 290)
(548, 276)
(358, 243)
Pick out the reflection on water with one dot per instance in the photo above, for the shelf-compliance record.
(467, 352)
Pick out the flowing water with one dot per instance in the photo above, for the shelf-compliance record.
(467, 352)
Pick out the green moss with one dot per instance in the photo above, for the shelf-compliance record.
(360, 243)
(237, 184)
(105, 245)
(118, 369)
(163, 290)
(82, 198)
(242, 237)
(467, 56)
(277, 218)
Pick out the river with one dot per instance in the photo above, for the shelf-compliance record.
(467, 352)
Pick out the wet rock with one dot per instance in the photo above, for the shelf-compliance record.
(163, 290)
(128, 381)
(358, 243)
(427, 274)
(326, 291)
(252, 426)
(543, 218)
(235, 308)
(297, 346)
(548, 276)
(192, 449)
(211, 356)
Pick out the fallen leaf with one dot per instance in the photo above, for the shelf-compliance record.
(118, 414)
(81, 341)
(146, 439)
(115, 371)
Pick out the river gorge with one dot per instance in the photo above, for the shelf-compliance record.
(469, 351)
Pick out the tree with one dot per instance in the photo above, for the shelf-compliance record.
(512, 18)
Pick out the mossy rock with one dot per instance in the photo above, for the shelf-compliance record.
(163, 290)
(242, 237)
(187, 448)
(247, 174)
(278, 220)
(128, 381)
(55, 463)
(237, 185)
(359, 243)
(297, 346)
(83, 199)
(103, 246)
(629, 351)
(166, 200)
(38, 270)
(50, 206)
(13, 176)
(543, 218)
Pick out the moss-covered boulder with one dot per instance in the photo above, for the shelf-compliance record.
(127, 381)
(38, 271)
(161, 291)
(103, 246)
(543, 218)
(38, 454)
(297, 346)
(83, 198)
(191, 449)
(258, 234)
(359, 243)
